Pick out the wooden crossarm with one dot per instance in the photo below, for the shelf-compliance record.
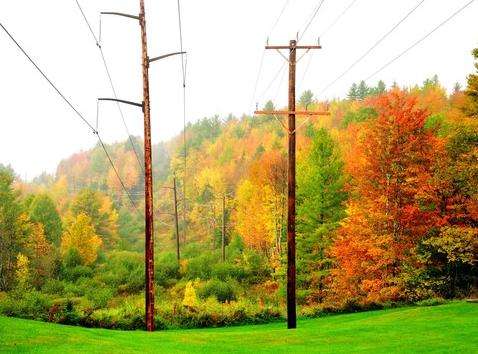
(296, 47)
(298, 113)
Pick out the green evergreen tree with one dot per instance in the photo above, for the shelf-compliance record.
(363, 90)
(320, 199)
(42, 210)
(381, 87)
(353, 92)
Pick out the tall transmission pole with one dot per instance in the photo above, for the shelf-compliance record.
(291, 184)
(148, 178)
(148, 170)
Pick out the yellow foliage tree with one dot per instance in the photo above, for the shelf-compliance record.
(80, 235)
(190, 299)
(40, 253)
(254, 220)
(22, 273)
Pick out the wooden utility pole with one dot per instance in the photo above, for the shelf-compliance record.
(148, 178)
(291, 185)
(178, 256)
(148, 169)
(223, 238)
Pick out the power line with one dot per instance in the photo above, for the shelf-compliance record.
(375, 45)
(308, 23)
(274, 79)
(333, 23)
(73, 108)
(410, 47)
(286, 3)
(276, 22)
(421, 39)
(337, 19)
(183, 68)
(110, 79)
(257, 78)
(311, 20)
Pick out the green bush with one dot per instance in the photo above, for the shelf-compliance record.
(432, 302)
(201, 267)
(29, 304)
(225, 271)
(77, 272)
(53, 287)
(166, 269)
(124, 271)
(219, 289)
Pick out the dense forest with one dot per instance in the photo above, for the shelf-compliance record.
(387, 214)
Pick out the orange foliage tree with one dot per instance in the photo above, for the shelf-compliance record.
(392, 205)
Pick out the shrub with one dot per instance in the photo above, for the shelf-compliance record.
(219, 289)
(77, 272)
(201, 267)
(432, 302)
(30, 304)
(124, 271)
(166, 269)
(53, 287)
(225, 271)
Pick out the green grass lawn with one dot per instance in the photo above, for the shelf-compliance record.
(446, 328)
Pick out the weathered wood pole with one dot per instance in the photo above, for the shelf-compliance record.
(148, 180)
(291, 299)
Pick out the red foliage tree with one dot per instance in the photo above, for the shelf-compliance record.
(393, 202)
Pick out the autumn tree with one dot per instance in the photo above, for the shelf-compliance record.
(472, 90)
(40, 254)
(392, 205)
(13, 228)
(42, 210)
(80, 237)
(320, 207)
(451, 257)
(450, 251)
(100, 210)
(260, 210)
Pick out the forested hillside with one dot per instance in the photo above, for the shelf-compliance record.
(387, 213)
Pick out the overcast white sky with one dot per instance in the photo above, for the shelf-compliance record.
(225, 42)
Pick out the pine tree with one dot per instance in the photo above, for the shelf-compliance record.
(363, 90)
(320, 207)
(353, 92)
(381, 87)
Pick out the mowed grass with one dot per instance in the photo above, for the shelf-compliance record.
(446, 328)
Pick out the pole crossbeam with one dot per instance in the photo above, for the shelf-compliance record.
(291, 179)
(122, 101)
(294, 47)
(120, 14)
(297, 113)
(165, 56)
